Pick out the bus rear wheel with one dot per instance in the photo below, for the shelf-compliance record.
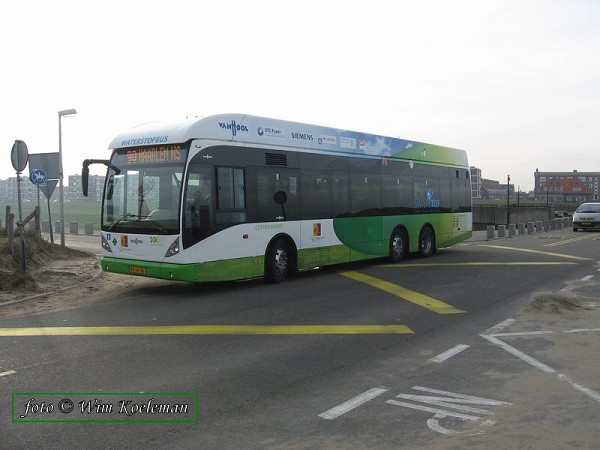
(398, 246)
(426, 243)
(277, 262)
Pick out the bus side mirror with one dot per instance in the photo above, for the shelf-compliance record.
(85, 174)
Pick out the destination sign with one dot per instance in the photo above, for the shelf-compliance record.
(156, 154)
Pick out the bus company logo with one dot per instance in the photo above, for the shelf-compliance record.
(233, 126)
(270, 132)
(124, 241)
(327, 140)
(346, 142)
(317, 231)
(302, 136)
(136, 241)
(154, 240)
(428, 202)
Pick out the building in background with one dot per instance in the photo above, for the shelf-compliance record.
(475, 182)
(29, 191)
(566, 187)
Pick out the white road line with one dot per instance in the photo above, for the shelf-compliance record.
(543, 367)
(519, 354)
(587, 278)
(522, 333)
(8, 372)
(587, 391)
(582, 330)
(502, 325)
(443, 412)
(343, 408)
(449, 353)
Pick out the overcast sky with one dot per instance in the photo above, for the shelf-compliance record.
(514, 83)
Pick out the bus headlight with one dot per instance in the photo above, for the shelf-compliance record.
(173, 249)
(105, 245)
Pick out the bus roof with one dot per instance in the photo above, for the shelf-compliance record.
(256, 131)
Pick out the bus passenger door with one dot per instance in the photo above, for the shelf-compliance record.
(198, 201)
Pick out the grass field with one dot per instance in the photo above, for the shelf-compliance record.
(82, 212)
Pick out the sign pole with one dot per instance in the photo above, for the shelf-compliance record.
(19, 157)
(50, 219)
(20, 224)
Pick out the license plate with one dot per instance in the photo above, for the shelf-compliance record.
(586, 224)
(137, 270)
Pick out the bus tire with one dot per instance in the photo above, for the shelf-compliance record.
(398, 245)
(426, 242)
(277, 261)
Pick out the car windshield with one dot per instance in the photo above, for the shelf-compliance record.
(589, 208)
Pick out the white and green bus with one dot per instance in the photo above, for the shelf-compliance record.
(235, 196)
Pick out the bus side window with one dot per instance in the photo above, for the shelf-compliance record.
(231, 195)
(272, 180)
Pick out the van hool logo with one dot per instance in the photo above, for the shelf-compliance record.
(428, 202)
(233, 126)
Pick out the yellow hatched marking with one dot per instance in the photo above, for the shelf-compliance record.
(560, 255)
(207, 330)
(399, 291)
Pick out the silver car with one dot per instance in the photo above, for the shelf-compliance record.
(587, 217)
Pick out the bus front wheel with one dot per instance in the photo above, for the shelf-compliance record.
(426, 242)
(277, 262)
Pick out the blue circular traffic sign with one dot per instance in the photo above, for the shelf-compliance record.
(38, 176)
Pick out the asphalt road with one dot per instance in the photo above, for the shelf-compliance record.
(366, 355)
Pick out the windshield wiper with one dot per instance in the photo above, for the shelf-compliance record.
(125, 216)
(157, 226)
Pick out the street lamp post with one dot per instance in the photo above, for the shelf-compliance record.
(507, 200)
(65, 112)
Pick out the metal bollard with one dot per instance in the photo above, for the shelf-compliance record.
(501, 231)
(74, 227)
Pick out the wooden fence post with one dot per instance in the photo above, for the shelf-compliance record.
(38, 228)
(10, 230)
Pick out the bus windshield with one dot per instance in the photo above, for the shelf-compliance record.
(143, 190)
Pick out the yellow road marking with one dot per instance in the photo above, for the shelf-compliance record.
(8, 372)
(560, 255)
(567, 241)
(399, 291)
(207, 330)
(481, 263)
